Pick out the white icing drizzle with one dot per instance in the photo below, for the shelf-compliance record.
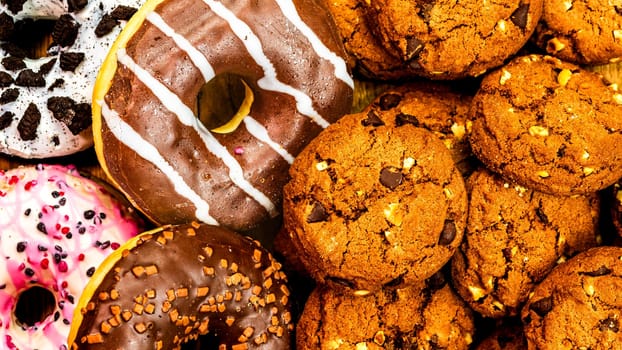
(147, 151)
(269, 81)
(195, 55)
(185, 115)
(261, 133)
(291, 13)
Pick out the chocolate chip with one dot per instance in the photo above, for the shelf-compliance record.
(27, 126)
(69, 61)
(609, 324)
(6, 119)
(399, 280)
(5, 79)
(391, 177)
(13, 63)
(318, 213)
(6, 26)
(123, 13)
(372, 120)
(601, 271)
(541, 216)
(9, 95)
(105, 25)
(436, 281)
(21, 246)
(65, 30)
(402, 119)
(341, 281)
(14, 6)
(29, 78)
(542, 306)
(77, 116)
(448, 234)
(389, 100)
(76, 5)
(413, 47)
(520, 15)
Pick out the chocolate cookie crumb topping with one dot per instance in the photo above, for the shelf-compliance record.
(27, 126)
(6, 119)
(77, 116)
(6, 26)
(76, 5)
(5, 79)
(123, 13)
(9, 95)
(65, 30)
(13, 63)
(106, 25)
(69, 61)
(15, 6)
(29, 78)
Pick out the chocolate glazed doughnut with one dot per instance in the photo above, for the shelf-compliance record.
(147, 133)
(171, 285)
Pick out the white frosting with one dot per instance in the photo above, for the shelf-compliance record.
(259, 132)
(78, 85)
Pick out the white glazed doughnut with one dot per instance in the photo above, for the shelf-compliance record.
(45, 102)
(56, 227)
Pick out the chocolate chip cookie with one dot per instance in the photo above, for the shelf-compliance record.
(514, 237)
(426, 316)
(549, 125)
(581, 31)
(578, 305)
(369, 204)
(449, 39)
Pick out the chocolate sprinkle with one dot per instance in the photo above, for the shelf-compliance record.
(402, 119)
(318, 213)
(106, 25)
(65, 30)
(602, 271)
(542, 306)
(21, 246)
(9, 95)
(123, 13)
(77, 116)
(391, 177)
(6, 119)
(372, 120)
(27, 126)
(388, 101)
(29, 78)
(6, 26)
(448, 234)
(69, 61)
(5, 79)
(13, 63)
(519, 17)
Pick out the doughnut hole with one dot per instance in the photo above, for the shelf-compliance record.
(223, 102)
(34, 305)
(32, 37)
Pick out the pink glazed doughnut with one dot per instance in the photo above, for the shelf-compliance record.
(56, 227)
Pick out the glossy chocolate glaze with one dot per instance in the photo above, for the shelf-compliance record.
(185, 281)
(237, 203)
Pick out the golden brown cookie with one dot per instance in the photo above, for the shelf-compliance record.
(369, 204)
(514, 237)
(578, 305)
(427, 316)
(581, 31)
(449, 39)
(549, 125)
(438, 107)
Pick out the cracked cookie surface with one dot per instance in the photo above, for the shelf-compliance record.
(578, 305)
(453, 39)
(514, 238)
(425, 316)
(581, 31)
(369, 204)
(549, 125)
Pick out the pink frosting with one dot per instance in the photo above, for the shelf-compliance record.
(56, 227)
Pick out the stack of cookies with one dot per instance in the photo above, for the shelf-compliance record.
(478, 190)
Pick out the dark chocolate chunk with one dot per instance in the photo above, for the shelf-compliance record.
(372, 120)
(27, 126)
(402, 119)
(413, 47)
(76, 5)
(69, 61)
(13, 63)
(388, 101)
(520, 15)
(318, 213)
(5, 79)
(448, 234)
(6, 26)
(29, 78)
(602, 271)
(77, 116)
(123, 13)
(65, 30)
(9, 95)
(106, 25)
(542, 306)
(14, 6)
(391, 177)
(609, 324)
(436, 281)
(6, 119)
